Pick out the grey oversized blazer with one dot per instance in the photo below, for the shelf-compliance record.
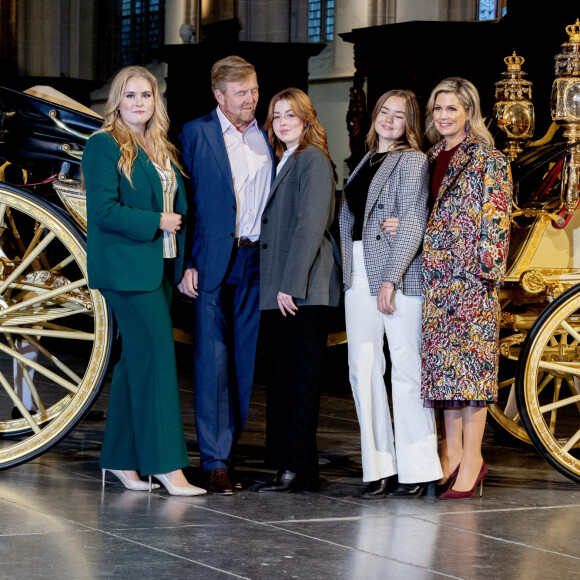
(296, 249)
(400, 188)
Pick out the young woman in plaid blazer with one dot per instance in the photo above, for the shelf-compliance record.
(382, 278)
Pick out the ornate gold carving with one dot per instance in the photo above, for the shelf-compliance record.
(514, 111)
(506, 344)
(73, 196)
(52, 280)
(514, 62)
(555, 289)
(532, 282)
(573, 31)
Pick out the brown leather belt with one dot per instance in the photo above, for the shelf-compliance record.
(247, 243)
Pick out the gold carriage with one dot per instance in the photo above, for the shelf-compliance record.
(55, 332)
(539, 396)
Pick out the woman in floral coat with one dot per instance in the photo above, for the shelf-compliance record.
(464, 255)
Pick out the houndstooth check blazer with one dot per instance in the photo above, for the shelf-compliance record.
(400, 188)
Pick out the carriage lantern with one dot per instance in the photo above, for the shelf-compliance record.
(514, 111)
(565, 108)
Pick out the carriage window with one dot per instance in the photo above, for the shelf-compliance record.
(141, 30)
(320, 20)
(491, 9)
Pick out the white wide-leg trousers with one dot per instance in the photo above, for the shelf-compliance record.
(412, 450)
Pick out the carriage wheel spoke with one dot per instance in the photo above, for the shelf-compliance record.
(18, 404)
(506, 383)
(555, 398)
(64, 368)
(44, 297)
(572, 441)
(558, 404)
(62, 264)
(570, 330)
(2, 214)
(560, 367)
(32, 255)
(39, 368)
(68, 334)
(27, 377)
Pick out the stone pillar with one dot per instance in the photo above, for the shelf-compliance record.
(55, 38)
(273, 21)
(382, 12)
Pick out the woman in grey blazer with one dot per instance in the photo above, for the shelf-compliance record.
(382, 278)
(299, 280)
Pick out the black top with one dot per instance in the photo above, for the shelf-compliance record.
(356, 192)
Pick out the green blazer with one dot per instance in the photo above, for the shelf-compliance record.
(124, 242)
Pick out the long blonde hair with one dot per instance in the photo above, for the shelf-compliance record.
(313, 133)
(412, 137)
(156, 143)
(469, 98)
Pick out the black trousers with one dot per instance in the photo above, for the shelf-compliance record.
(294, 347)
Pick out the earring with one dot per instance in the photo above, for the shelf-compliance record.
(467, 127)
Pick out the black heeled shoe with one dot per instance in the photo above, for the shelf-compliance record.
(376, 489)
(409, 490)
(285, 481)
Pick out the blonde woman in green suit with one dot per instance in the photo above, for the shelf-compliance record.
(135, 203)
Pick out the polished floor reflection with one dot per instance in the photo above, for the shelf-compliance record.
(58, 522)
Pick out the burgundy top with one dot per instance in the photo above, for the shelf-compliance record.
(441, 164)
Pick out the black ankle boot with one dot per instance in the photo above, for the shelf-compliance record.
(409, 490)
(285, 481)
(376, 489)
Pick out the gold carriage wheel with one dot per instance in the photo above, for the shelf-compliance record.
(548, 384)
(55, 333)
(505, 414)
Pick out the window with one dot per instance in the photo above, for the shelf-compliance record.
(141, 30)
(491, 9)
(320, 20)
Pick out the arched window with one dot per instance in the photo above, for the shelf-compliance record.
(491, 9)
(141, 30)
(320, 20)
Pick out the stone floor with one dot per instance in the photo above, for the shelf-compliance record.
(58, 522)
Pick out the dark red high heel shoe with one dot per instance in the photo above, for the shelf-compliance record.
(453, 494)
(446, 485)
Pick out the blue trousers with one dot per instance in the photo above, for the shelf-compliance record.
(144, 430)
(226, 323)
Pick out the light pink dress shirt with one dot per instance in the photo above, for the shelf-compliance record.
(251, 166)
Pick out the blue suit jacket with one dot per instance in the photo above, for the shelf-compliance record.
(213, 208)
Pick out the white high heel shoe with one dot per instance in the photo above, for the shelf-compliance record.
(188, 489)
(129, 483)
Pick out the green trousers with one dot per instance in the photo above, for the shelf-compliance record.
(144, 430)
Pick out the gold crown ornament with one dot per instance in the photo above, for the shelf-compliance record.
(573, 31)
(514, 62)
(513, 110)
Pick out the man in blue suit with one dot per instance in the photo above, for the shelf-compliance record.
(227, 155)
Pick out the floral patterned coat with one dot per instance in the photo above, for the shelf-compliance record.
(464, 260)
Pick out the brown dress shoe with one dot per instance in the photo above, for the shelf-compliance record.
(217, 482)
